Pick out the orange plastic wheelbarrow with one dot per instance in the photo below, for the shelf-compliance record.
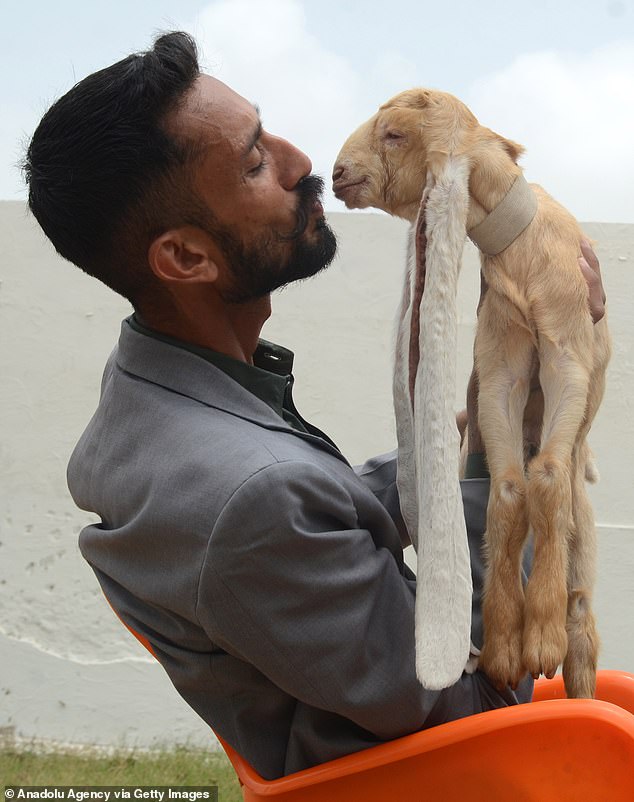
(565, 750)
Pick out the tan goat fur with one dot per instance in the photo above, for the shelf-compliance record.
(535, 310)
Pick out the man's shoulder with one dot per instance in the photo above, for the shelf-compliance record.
(146, 434)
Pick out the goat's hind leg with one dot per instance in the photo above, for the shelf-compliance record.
(504, 389)
(564, 382)
(580, 665)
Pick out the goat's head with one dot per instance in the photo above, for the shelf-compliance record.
(385, 162)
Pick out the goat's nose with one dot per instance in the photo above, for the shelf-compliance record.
(337, 172)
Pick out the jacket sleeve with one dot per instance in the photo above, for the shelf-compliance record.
(293, 585)
(379, 475)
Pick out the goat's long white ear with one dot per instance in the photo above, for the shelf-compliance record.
(429, 445)
(436, 167)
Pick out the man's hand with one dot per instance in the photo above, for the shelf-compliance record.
(591, 270)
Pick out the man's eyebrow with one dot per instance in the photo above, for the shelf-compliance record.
(257, 133)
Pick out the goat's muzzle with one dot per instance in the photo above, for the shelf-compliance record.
(344, 184)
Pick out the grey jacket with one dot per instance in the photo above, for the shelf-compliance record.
(267, 574)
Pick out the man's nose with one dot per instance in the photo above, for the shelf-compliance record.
(293, 164)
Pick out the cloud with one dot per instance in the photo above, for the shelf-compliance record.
(308, 93)
(573, 112)
(575, 116)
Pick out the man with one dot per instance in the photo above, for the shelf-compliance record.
(267, 574)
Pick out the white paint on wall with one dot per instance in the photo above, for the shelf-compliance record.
(68, 670)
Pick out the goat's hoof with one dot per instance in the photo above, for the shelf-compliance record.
(501, 660)
(579, 680)
(544, 648)
(580, 687)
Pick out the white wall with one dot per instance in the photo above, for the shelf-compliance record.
(68, 670)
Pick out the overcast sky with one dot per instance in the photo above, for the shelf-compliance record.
(555, 75)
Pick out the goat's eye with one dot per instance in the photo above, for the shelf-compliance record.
(394, 136)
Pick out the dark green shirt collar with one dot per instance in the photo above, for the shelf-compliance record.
(269, 378)
(266, 378)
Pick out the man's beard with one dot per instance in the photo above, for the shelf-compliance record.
(275, 259)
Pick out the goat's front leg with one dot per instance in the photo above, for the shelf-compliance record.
(564, 381)
(504, 364)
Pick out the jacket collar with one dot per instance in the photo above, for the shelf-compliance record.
(190, 375)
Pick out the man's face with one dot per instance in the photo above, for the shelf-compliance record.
(269, 225)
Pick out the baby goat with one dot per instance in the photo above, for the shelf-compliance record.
(536, 308)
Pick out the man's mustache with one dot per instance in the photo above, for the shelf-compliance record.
(309, 190)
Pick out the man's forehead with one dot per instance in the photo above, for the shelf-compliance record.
(214, 90)
(218, 110)
(211, 96)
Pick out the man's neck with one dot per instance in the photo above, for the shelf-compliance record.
(231, 329)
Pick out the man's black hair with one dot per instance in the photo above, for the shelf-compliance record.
(104, 175)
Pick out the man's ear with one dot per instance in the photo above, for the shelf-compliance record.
(183, 254)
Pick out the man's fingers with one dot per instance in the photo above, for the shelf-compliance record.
(591, 262)
(590, 256)
(591, 270)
